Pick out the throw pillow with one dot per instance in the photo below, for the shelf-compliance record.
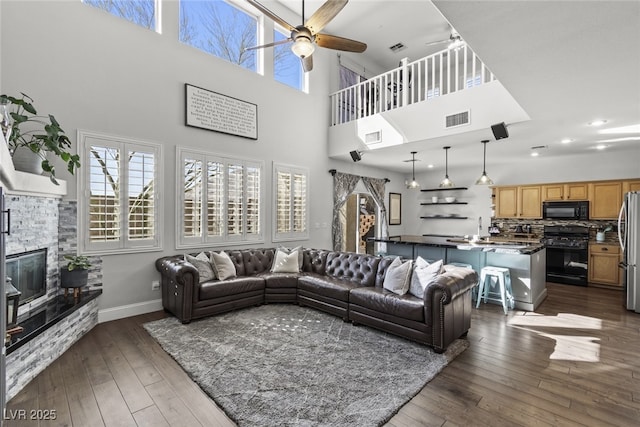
(222, 265)
(202, 264)
(284, 262)
(297, 249)
(423, 274)
(398, 276)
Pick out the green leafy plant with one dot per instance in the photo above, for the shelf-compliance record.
(77, 262)
(27, 131)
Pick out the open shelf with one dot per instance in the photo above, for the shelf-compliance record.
(443, 217)
(443, 203)
(444, 189)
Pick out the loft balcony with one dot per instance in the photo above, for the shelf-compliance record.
(444, 94)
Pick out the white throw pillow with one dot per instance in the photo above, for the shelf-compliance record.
(297, 249)
(203, 265)
(423, 274)
(286, 262)
(222, 265)
(398, 276)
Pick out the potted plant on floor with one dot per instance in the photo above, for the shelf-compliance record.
(75, 274)
(37, 135)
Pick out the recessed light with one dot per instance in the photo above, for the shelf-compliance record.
(601, 146)
(430, 166)
(566, 140)
(535, 154)
(598, 122)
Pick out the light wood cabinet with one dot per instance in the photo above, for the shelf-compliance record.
(519, 202)
(606, 199)
(571, 191)
(630, 186)
(603, 264)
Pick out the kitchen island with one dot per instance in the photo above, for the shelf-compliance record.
(526, 261)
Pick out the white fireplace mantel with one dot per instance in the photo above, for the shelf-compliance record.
(17, 182)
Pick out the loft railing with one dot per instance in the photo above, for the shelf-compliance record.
(442, 73)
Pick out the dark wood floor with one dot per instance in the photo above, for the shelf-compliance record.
(575, 361)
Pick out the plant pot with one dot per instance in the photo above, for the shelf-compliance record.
(73, 278)
(26, 160)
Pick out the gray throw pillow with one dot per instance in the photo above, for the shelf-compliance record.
(222, 265)
(284, 262)
(203, 265)
(423, 274)
(398, 276)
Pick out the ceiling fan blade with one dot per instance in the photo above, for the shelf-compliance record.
(307, 63)
(340, 43)
(268, 45)
(324, 14)
(271, 15)
(438, 42)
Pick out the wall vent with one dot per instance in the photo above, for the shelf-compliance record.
(373, 137)
(458, 119)
(397, 47)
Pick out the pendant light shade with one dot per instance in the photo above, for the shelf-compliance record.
(484, 178)
(446, 182)
(413, 185)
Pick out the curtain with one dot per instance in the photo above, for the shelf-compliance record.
(343, 186)
(377, 189)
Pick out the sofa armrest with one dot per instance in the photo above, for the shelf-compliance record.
(179, 278)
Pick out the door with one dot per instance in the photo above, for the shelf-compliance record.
(361, 223)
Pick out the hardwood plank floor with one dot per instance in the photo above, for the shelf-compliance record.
(574, 362)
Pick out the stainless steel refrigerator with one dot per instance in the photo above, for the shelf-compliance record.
(629, 235)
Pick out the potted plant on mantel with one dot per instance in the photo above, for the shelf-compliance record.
(75, 275)
(27, 138)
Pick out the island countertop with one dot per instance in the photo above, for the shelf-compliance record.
(460, 242)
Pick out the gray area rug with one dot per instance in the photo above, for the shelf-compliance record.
(284, 365)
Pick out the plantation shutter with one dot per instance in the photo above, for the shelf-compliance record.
(235, 205)
(254, 207)
(299, 194)
(283, 202)
(290, 203)
(104, 195)
(215, 199)
(141, 195)
(192, 198)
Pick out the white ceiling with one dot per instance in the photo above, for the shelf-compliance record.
(565, 62)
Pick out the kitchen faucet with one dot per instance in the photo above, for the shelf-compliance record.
(479, 226)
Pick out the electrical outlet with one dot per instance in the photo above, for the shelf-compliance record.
(155, 285)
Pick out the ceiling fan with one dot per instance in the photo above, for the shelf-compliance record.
(305, 36)
(455, 41)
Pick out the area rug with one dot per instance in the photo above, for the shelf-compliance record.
(285, 365)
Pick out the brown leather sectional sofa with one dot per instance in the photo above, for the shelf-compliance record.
(345, 284)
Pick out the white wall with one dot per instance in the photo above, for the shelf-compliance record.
(96, 72)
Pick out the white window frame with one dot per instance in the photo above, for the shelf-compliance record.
(290, 235)
(123, 245)
(204, 240)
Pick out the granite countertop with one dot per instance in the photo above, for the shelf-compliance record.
(460, 242)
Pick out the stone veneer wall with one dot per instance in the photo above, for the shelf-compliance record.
(26, 362)
(47, 222)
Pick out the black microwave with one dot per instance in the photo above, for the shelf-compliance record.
(566, 210)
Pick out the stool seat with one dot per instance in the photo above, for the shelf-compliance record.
(502, 278)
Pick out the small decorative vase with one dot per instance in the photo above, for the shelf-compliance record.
(26, 160)
(600, 236)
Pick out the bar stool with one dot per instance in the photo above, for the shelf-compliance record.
(503, 279)
(474, 290)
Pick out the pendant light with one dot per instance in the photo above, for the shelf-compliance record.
(413, 184)
(484, 178)
(446, 182)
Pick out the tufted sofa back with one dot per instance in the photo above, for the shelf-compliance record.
(257, 260)
(236, 257)
(314, 261)
(359, 268)
(382, 270)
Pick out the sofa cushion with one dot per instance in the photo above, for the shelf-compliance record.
(314, 261)
(328, 286)
(354, 267)
(383, 301)
(398, 277)
(234, 286)
(280, 280)
(423, 274)
(286, 261)
(222, 265)
(256, 261)
(203, 265)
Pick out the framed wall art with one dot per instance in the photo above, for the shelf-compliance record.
(395, 208)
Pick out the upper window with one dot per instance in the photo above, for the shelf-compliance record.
(120, 182)
(141, 12)
(286, 66)
(221, 29)
(219, 199)
(290, 203)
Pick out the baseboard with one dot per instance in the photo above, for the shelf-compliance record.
(128, 310)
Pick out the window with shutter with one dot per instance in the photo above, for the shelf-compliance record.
(229, 206)
(290, 203)
(119, 212)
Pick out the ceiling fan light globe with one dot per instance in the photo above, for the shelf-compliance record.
(302, 47)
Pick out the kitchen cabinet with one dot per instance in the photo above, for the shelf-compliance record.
(630, 186)
(605, 198)
(570, 191)
(603, 264)
(519, 202)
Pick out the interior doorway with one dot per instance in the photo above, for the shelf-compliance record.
(361, 222)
